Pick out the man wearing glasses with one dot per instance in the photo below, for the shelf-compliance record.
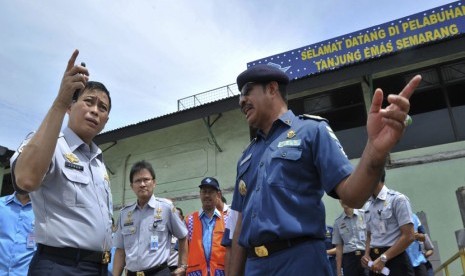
(145, 228)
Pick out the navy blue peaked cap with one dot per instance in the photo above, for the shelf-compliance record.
(261, 73)
(210, 181)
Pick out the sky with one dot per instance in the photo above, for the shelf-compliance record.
(150, 54)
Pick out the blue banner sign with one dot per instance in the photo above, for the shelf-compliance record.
(429, 26)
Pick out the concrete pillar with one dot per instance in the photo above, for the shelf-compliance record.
(461, 200)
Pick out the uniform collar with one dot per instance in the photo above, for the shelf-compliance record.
(285, 119)
(356, 213)
(215, 213)
(13, 198)
(382, 195)
(74, 143)
(151, 204)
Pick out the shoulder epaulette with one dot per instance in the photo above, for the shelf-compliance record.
(164, 200)
(127, 206)
(393, 192)
(312, 117)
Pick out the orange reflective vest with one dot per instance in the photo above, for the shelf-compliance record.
(196, 261)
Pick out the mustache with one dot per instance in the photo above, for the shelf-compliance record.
(244, 107)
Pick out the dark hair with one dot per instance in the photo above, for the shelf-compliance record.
(383, 176)
(180, 211)
(281, 87)
(93, 85)
(223, 199)
(139, 166)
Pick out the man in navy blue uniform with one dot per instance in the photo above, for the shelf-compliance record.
(282, 175)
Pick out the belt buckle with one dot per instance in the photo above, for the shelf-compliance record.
(376, 251)
(358, 252)
(140, 273)
(105, 257)
(261, 251)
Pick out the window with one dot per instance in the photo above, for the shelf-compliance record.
(344, 108)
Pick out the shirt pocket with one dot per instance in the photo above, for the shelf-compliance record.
(282, 169)
(386, 214)
(129, 236)
(76, 193)
(159, 227)
(287, 153)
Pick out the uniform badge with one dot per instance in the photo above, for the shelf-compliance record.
(106, 177)
(106, 257)
(290, 134)
(242, 188)
(158, 215)
(128, 220)
(261, 251)
(71, 157)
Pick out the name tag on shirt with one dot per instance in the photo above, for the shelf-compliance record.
(30, 241)
(153, 243)
(361, 235)
(289, 143)
(74, 166)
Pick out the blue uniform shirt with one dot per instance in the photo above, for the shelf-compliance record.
(208, 225)
(385, 214)
(414, 249)
(16, 236)
(281, 179)
(73, 205)
(145, 233)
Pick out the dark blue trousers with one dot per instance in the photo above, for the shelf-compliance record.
(46, 264)
(307, 258)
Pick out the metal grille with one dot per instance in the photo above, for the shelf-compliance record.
(207, 97)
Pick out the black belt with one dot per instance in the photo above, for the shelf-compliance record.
(76, 254)
(272, 247)
(356, 253)
(149, 271)
(379, 250)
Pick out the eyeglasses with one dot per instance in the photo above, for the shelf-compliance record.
(142, 180)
